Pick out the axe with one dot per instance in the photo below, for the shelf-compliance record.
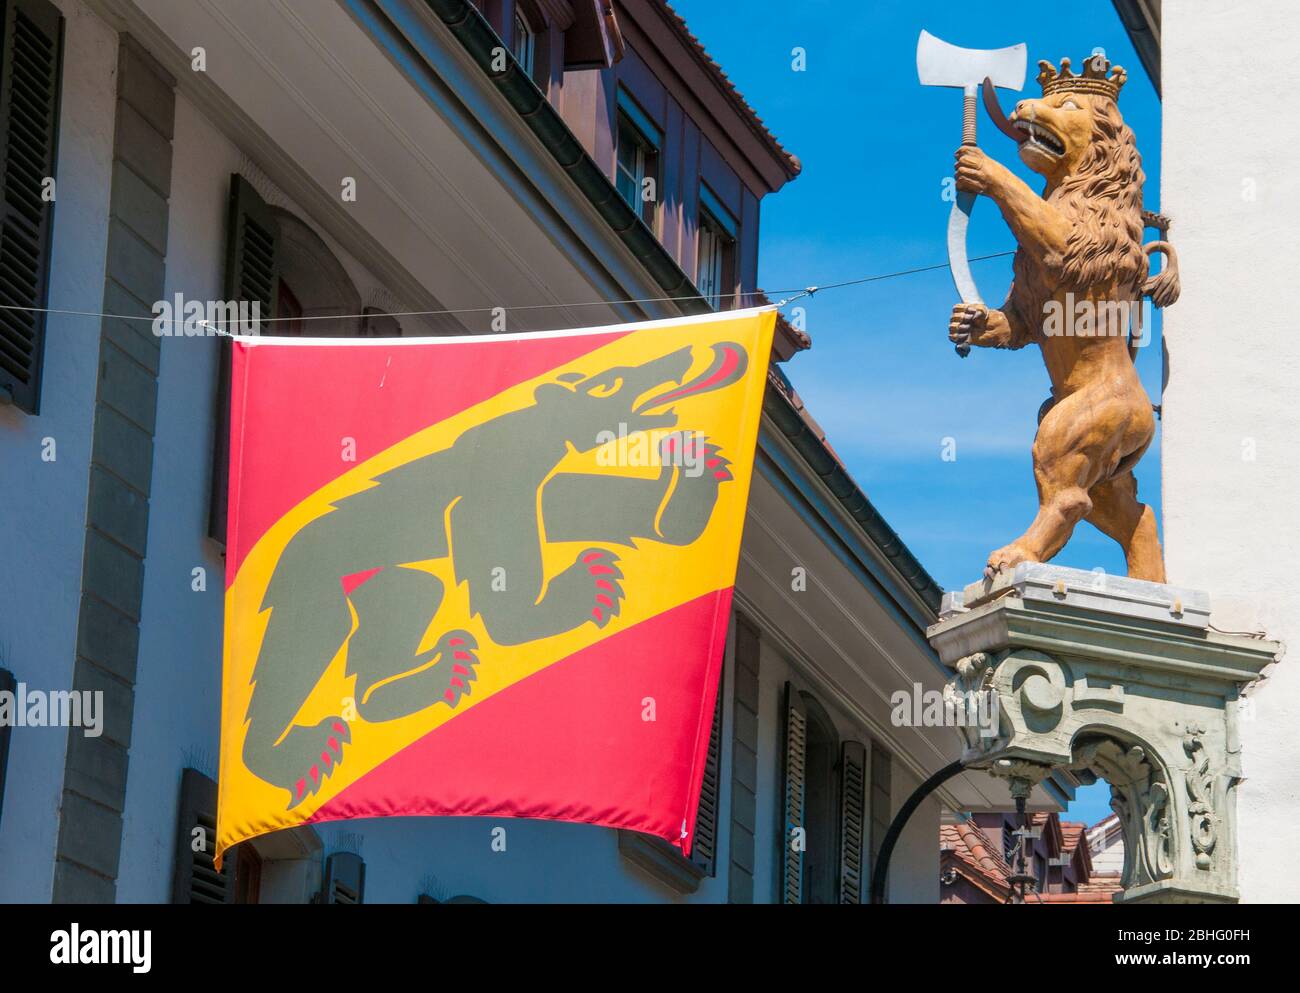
(941, 64)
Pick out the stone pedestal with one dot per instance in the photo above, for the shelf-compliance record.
(1122, 680)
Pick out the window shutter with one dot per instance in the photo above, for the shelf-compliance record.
(252, 248)
(880, 805)
(7, 685)
(796, 739)
(853, 816)
(252, 276)
(30, 62)
(704, 846)
(345, 879)
(196, 879)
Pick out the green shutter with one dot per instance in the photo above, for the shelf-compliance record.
(796, 741)
(31, 52)
(195, 879)
(252, 275)
(345, 879)
(853, 816)
(704, 845)
(880, 804)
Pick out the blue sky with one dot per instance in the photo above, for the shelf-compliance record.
(881, 377)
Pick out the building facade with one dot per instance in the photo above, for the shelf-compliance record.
(1231, 483)
(397, 167)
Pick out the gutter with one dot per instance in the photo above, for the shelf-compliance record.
(1141, 19)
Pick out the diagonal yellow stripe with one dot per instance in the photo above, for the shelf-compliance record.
(657, 577)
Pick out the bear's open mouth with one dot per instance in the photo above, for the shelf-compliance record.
(1041, 137)
(728, 365)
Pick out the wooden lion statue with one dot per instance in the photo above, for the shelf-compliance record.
(1081, 272)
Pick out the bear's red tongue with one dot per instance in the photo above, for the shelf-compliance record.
(728, 365)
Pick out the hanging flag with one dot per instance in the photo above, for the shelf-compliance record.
(483, 575)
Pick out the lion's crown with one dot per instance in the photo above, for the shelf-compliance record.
(1099, 77)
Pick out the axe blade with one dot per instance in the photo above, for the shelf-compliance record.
(940, 64)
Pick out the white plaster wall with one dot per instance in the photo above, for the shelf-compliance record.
(42, 527)
(1231, 181)
(914, 866)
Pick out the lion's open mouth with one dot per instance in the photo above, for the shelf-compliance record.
(1041, 137)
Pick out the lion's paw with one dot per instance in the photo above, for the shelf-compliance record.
(1007, 558)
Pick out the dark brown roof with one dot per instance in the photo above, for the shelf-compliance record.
(678, 23)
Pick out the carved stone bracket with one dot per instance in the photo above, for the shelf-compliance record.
(1120, 680)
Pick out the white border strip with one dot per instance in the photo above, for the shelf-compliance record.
(290, 342)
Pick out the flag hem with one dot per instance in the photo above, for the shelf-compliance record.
(461, 339)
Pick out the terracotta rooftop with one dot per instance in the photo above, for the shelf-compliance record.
(966, 848)
(1099, 889)
(975, 857)
(794, 166)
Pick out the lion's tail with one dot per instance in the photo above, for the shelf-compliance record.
(1163, 288)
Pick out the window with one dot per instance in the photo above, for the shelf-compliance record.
(637, 167)
(288, 313)
(31, 40)
(1009, 843)
(345, 879)
(825, 808)
(525, 43)
(278, 262)
(715, 271)
(195, 877)
(821, 814)
(248, 875)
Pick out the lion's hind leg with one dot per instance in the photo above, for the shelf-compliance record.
(1117, 513)
(1074, 443)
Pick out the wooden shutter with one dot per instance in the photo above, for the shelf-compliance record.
(704, 846)
(252, 275)
(345, 879)
(880, 806)
(853, 818)
(195, 879)
(7, 685)
(796, 741)
(31, 53)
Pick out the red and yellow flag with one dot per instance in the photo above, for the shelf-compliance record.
(483, 575)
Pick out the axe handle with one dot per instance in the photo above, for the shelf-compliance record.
(969, 107)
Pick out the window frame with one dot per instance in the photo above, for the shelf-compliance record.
(632, 120)
(527, 59)
(717, 233)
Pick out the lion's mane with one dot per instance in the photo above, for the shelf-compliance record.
(1102, 200)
